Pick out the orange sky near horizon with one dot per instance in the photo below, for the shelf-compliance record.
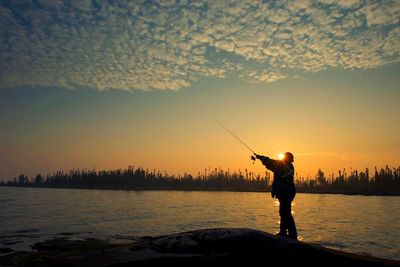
(324, 122)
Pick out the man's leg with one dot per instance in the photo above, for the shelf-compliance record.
(292, 227)
(284, 208)
(287, 220)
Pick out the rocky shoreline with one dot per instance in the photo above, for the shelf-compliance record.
(207, 246)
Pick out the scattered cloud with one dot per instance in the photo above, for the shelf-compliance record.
(167, 44)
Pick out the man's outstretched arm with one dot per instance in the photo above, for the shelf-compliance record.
(270, 164)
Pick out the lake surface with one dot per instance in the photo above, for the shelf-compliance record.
(361, 224)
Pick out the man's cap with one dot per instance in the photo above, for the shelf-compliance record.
(288, 157)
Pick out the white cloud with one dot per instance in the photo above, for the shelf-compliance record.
(349, 3)
(146, 45)
(83, 5)
(278, 16)
(382, 14)
(391, 45)
(269, 76)
(299, 4)
(263, 76)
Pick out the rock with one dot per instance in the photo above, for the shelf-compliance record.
(5, 250)
(219, 241)
(208, 246)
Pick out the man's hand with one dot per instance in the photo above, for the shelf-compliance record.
(256, 156)
(260, 157)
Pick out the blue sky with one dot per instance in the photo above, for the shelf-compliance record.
(113, 83)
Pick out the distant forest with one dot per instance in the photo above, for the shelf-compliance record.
(383, 181)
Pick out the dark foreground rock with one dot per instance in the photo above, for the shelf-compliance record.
(210, 246)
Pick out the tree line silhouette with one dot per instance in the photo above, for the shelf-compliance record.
(384, 181)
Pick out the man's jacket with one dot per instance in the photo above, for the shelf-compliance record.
(283, 183)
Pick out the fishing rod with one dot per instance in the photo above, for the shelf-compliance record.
(237, 138)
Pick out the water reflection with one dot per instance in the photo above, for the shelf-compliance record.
(353, 223)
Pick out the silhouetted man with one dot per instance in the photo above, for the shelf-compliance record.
(284, 189)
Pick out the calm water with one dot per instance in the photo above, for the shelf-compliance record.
(362, 224)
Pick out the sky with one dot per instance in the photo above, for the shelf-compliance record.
(108, 84)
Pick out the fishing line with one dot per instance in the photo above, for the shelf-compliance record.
(237, 138)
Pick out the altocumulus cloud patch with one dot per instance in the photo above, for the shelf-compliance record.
(169, 44)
